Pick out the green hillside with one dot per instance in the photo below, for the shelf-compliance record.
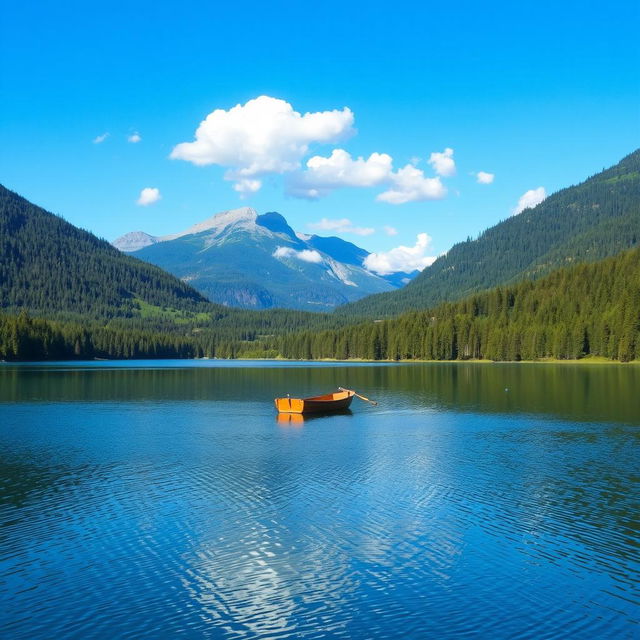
(47, 265)
(584, 310)
(587, 222)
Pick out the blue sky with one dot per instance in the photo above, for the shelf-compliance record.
(539, 95)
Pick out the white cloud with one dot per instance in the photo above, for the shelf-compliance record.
(410, 185)
(443, 163)
(263, 136)
(485, 178)
(266, 136)
(323, 174)
(401, 258)
(390, 231)
(339, 170)
(148, 196)
(246, 186)
(529, 199)
(134, 137)
(343, 225)
(101, 138)
(306, 255)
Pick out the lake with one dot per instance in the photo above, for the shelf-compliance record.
(167, 500)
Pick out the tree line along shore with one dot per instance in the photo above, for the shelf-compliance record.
(586, 310)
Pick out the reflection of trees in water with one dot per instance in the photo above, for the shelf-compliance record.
(595, 393)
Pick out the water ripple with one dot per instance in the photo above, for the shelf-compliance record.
(209, 519)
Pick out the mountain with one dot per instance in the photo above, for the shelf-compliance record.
(595, 219)
(48, 265)
(134, 241)
(241, 259)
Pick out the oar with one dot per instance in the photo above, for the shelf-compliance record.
(373, 402)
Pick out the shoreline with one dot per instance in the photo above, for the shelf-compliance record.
(597, 360)
(587, 361)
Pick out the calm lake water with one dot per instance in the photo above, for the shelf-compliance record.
(166, 500)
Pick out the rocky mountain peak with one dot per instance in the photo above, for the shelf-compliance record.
(134, 241)
(243, 216)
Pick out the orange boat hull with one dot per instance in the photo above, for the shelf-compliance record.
(317, 404)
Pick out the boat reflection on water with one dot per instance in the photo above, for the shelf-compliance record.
(290, 419)
(298, 419)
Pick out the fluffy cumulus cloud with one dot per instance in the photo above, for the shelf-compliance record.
(323, 175)
(267, 136)
(443, 163)
(485, 178)
(101, 138)
(148, 196)
(263, 136)
(306, 255)
(134, 137)
(409, 184)
(529, 199)
(343, 225)
(401, 258)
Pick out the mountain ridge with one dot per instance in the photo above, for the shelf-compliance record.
(217, 220)
(244, 259)
(594, 219)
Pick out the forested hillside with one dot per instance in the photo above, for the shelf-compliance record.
(585, 310)
(48, 265)
(587, 222)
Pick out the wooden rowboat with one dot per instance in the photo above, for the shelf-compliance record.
(327, 403)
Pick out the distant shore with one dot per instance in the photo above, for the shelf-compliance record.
(588, 360)
(595, 360)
